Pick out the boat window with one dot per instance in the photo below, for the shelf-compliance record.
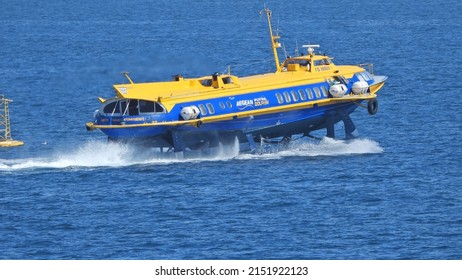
(146, 106)
(227, 80)
(203, 110)
(366, 76)
(123, 107)
(303, 62)
(317, 92)
(294, 95)
(289, 61)
(159, 108)
(206, 82)
(133, 107)
(111, 108)
(341, 79)
(324, 91)
(319, 62)
(309, 92)
(222, 105)
(302, 94)
(228, 103)
(279, 97)
(361, 77)
(287, 96)
(211, 109)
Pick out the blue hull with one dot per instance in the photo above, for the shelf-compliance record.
(246, 130)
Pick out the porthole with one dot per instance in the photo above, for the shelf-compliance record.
(210, 108)
(203, 110)
(279, 97)
(317, 92)
(302, 94)
(294, 95)
(324, 91)
(287, 96)
(309, 92)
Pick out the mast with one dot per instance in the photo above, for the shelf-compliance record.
(274, 39)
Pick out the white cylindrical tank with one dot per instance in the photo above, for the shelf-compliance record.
(360, 87)
(189, 113)
(338, 90)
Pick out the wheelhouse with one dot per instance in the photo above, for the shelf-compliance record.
(130, 107)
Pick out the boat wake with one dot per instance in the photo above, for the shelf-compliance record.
(95, 154)
(106, 154)
(323, 147)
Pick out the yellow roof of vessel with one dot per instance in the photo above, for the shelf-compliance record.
(191, 89)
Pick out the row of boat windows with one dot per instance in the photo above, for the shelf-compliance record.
(301, 94)
(133, 107)
(209, 109)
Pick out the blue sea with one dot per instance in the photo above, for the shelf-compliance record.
(393, 193)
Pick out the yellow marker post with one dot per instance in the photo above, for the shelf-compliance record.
(5, 137)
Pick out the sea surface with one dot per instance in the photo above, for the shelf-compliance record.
(393, 193)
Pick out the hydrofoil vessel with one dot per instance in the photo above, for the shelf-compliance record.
(305, 93)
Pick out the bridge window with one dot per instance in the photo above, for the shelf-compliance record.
(147, 106)
(133, 107)
(287, 96)
(294, 95)
(222, 105)
(211, 109)
(159, 108)
(302, 94)
(365, 76)
(317, 92)
(228, 103)
(309, 92)
(324, 91)
(227, 80)
(279, 97)
(206, 82)
(203, 110)
(112, 108)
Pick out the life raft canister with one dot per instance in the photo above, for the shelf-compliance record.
(189, 113)
(360, 87)
(338, 90)
(372, 106)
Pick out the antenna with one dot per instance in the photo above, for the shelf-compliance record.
(297, 53)
(285, 51)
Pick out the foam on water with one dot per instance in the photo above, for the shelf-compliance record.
(106, 154)
(324, 147)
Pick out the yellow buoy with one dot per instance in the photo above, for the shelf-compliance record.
(5, 138)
